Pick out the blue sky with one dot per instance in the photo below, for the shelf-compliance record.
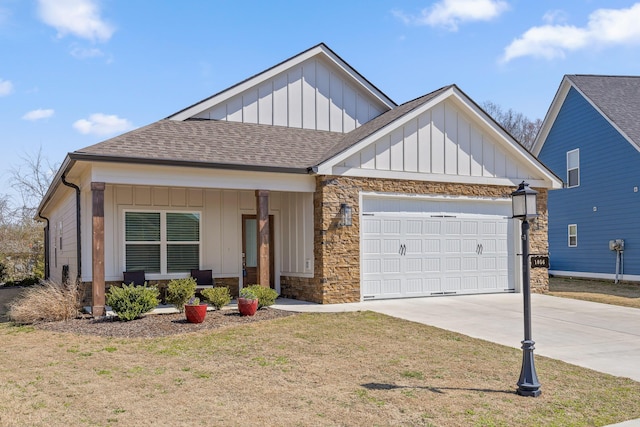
(76, 72)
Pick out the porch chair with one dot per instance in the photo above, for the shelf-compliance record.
(136, 277)
(204, 278)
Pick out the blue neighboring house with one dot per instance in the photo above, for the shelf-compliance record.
(590, 137)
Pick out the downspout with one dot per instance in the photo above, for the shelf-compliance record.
(78, 241)
(46, 247)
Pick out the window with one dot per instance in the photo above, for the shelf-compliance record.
(573, 235)
(162, 242)
(573, 168)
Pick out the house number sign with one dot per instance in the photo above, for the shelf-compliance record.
(539, 261)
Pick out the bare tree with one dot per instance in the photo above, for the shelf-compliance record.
(31, 180)
(518, 125)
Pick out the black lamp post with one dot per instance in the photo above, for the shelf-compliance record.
(524, 207)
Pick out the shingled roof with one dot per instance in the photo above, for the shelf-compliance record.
(216, 143)
(617, 97)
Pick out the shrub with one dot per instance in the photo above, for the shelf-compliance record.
(247, 293)
(266, 296)
(218, 297)
(130, 302)
(180, 290)
(46, 302)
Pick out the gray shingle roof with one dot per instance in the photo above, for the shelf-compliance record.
(242, 145)
(618, 97)
(219, 143)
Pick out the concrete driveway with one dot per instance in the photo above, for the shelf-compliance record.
(602, 337)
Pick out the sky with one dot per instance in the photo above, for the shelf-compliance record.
(77, 72)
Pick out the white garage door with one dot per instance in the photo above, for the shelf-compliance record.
(414, 248)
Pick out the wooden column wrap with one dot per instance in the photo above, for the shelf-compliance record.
(262, 216)
(97, 251)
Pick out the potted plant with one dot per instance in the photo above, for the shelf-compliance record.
(247, 302)
(195, 311)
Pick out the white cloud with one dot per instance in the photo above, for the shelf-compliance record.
(102, 124)
(451, 13)
(78, 17)
(605, 27)
(6, 87)
(84, 53)
(38, 114)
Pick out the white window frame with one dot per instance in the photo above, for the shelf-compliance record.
(163, 241)
(574, 235)
(577, 153)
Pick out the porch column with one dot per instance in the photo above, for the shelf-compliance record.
(97, 251)
(262, 215)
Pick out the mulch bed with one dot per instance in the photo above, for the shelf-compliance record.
(159, 325)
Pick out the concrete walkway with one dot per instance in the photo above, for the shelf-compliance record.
(602, 337)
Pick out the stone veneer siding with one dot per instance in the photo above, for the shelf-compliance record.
(337, 249)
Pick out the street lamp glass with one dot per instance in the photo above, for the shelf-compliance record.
(524, 202)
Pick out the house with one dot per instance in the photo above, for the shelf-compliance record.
(305, 177)
(591, 137)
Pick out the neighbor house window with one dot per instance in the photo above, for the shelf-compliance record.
(573, 168)
(162, 242)
(573, 235)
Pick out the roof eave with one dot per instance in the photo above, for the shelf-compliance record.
(79, 156)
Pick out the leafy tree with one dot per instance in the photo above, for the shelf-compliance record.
(523, 129)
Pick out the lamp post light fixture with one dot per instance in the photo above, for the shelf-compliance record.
(524, 207)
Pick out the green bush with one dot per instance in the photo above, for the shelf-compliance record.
(180, 290)
(247, 293)
(266, 296)
(218, 297)
(130, 302)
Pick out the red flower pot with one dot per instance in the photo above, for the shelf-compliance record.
(195, 313)
(247, 307)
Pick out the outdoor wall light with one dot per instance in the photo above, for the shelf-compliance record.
(346, 215)
(524, 208)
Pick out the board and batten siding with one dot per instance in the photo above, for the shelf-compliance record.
(312, 95)
(442, 141)
(62, 237)
(605, 204)
(221, 227)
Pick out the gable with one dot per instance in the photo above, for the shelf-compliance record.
(449, 139)
(315, 90)
(615, 98)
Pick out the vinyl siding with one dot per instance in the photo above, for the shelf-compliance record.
(604, 206)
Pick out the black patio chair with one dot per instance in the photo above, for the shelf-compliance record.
(203, 277)
(135, 277)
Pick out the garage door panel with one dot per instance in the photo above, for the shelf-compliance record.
(414, 226)
(391, 226)
(431, 265)
(391, 287)
(436, 254)
(413, 265)
(414, 286)
(391, 266)
(372, 266)
(371, 226)
(391, 246)
(432, 246)
(470, 264)
(371, 247)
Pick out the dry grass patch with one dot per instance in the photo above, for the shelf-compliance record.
(358, 368)
(607, 292)
(46, 302)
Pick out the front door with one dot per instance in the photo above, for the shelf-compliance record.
(250, 251)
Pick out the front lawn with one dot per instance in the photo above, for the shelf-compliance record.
(606, 292)
(355, 369)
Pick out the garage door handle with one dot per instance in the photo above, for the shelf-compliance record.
(479, 249)
(403, 250)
